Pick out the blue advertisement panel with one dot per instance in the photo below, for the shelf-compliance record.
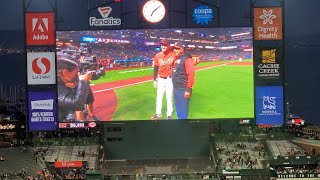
(269, 105)
(42, 111)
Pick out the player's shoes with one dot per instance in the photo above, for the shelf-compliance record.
(169, 117)
(156, 116)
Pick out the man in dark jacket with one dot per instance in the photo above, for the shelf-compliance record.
(183, 80)
(73, 89)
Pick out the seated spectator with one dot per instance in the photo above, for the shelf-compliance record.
(2, 158)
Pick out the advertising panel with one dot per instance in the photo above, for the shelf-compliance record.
(269, 106)
(41, 68)
(71, 125)
(68, 164)
(106, 19)
(268, 23)
(124, 87)
(203, 15)
(268, 65)
(9, 126)
(42, 111)
(40, 28)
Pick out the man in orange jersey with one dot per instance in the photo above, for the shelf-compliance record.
(163, 78)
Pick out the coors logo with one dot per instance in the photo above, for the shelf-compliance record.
(41, 68)
(40, 28)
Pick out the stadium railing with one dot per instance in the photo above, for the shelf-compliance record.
(65, 141)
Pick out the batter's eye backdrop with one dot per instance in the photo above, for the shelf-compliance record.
(109, 75)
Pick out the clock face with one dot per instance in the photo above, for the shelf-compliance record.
(153, 11)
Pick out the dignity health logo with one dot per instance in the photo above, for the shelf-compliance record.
(267, 16)
(202, 15)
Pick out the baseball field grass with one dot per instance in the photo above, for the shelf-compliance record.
(224, 91)
(123, 74)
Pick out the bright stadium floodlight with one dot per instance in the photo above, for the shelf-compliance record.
(240, 34)
(191, 46)
(248, 50)
(191, 33)
(178, 31)
(187, 40)
(216, 42)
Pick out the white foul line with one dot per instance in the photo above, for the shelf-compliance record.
(149, 80)
(121, 86)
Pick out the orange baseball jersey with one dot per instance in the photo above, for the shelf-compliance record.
(164, 62)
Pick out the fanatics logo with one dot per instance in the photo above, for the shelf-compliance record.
(40, 28)
(106, 20)
(104, 11)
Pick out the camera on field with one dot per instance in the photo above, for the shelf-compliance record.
(90, 65)
(98, 73)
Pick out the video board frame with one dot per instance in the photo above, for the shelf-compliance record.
(64, 46)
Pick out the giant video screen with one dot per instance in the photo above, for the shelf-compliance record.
(155, 74)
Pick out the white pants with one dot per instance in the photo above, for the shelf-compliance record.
(164, 85)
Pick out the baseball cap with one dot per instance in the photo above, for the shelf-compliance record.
(164, 42)
(178, 45)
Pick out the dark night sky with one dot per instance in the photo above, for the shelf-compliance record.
(302, 44)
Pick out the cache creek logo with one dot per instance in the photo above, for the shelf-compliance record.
(106, 21)
(269, 69)
(203, 15)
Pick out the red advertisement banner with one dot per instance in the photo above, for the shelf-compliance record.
(67, 164)
(40, 29)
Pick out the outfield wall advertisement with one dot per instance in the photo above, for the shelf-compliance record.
(119, 65)
(42, 111)
(269, 105)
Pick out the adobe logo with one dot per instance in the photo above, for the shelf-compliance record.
(41, 66)
(40, 29)
(40, 24)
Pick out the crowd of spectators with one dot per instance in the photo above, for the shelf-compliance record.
(297, 152)
(297, 170)
(2, 158)
(69, 173)
(239, 156)
(127, 48)
(14, 175)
